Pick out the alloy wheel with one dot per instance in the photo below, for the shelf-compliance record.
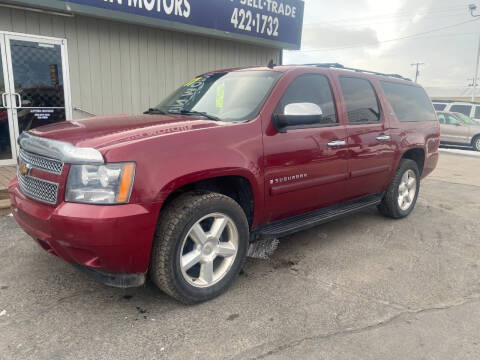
(407, 190)
(209, 250)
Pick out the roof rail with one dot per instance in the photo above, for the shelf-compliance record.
(340, 66)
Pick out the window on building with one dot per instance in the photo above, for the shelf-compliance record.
(462, 109)
(439, 107)
(360, 100)
(409, 102)
(311, 88)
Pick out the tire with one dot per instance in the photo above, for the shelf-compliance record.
(390, 205)
(185, 227)
(476, 143)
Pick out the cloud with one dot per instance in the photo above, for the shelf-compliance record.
(449, 55)
(318, 36)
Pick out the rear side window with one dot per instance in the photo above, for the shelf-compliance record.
(439, 107)
(410, 103)
(360, 100)
(311, 88)
(462, 109)
(477, 112)
(441, 118)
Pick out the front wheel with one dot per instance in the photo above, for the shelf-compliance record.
(200, 246)
(401, 195)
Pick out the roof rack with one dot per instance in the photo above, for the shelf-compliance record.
(340, 66)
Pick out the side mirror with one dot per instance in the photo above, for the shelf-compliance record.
(297, 115)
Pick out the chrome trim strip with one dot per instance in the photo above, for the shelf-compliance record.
(60, 150)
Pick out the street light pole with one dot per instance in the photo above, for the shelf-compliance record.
(472, 8)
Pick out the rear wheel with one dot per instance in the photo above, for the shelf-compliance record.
(200, 246)
(476, 142)
(401, 195)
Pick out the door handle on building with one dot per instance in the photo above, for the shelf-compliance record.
(4, 103)
(383, 138)
(19, 101)
(337, 143)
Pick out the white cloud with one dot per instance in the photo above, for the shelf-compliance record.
(356, 40)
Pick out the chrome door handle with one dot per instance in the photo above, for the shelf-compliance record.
(337, 143)
(4, 103)
(19, 101)
(383, 138)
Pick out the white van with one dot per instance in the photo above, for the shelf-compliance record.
(471, 109)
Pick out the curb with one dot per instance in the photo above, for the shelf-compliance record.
(4, 207)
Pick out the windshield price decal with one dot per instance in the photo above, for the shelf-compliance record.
(277, 21)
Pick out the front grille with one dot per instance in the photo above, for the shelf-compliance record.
(38, 189)
(41, 162)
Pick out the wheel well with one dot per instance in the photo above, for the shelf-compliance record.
(417, 155)
(236, 187)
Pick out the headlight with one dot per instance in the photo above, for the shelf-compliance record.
(104, 184)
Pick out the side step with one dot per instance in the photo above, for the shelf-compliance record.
(297, 223)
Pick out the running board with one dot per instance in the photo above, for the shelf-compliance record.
(297, 223)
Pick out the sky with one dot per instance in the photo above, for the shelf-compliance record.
(358, 33)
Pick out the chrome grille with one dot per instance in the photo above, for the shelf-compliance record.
(41, 162)
(38, 189)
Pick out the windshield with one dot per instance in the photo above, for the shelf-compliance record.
(466, 119)
(228, 96)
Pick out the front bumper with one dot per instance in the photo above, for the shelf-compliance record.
(114, 241)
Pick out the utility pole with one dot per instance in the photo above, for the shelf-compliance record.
(472, 8)
(417, 72)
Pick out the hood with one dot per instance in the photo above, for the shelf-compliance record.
(102, 131)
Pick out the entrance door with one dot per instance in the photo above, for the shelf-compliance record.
(7, 133)
(36, 91)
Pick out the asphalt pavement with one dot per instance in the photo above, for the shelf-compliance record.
(364, 287)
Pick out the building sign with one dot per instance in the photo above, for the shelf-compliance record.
(274, 22)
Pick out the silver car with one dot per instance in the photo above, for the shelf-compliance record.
(458, 129)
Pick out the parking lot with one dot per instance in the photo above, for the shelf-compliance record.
(364, 287)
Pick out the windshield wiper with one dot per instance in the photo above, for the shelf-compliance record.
(155, 111)
(201, 113)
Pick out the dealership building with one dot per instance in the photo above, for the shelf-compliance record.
(64, 60)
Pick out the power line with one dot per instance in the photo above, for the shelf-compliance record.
(391, 40)
(395, 15)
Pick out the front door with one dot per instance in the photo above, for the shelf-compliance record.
(454, 130)
(35, 90)
(305, 167)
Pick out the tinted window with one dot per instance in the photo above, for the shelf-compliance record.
(477, 112)
(409, 102)
(311, 88)
(462, 109)
(360, 100)
(439, 107)
(441, 118)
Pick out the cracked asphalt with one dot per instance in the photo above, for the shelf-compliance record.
(364, 287)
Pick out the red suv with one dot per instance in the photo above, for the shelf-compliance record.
(230, 157)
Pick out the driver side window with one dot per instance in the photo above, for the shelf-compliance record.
(452, 120)
(313, 92)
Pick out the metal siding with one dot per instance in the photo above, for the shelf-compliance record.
(117, 67)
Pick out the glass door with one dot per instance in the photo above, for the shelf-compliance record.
(7, 132)
(37, 81)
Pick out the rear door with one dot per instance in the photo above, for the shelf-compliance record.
(305, 168)
(371, 152)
